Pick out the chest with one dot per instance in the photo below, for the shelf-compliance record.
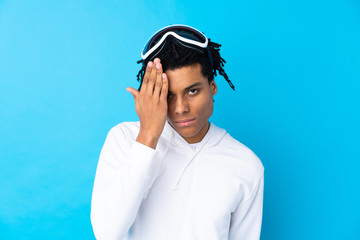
(198, 184)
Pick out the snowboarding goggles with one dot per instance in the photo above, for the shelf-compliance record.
(181, 35)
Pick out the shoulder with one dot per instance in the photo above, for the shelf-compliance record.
(120, 138)
(240, 158)
(239, 149)
(122, 134)
(127, 130)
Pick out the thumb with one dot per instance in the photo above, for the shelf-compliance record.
(133, 91)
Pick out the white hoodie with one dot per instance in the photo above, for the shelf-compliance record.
(212, 190)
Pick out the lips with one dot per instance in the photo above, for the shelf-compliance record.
(185, 122)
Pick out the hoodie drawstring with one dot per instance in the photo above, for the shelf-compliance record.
(186, 166)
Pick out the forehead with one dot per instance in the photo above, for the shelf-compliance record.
(181, 78)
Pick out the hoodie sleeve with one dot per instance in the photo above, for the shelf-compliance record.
(125, 172)
(246, 219)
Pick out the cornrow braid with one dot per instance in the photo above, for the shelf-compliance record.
(177, 56)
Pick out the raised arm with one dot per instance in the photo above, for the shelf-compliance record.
(127, 167)
(151, 104)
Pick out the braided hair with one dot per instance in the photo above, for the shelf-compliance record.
(176, 56)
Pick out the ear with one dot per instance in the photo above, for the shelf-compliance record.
(213, 87)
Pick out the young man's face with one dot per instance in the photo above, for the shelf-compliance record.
(190, 102)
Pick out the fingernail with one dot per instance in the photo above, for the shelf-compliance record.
(158, 65)
(149, 64)
(163, 75)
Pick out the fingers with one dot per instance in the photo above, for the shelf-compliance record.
(154, 81)
(164, 87)
(148, 70)
(158, 80)
(134, 92)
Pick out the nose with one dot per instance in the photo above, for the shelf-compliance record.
(181, 106)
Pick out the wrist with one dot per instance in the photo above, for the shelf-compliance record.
(147, 139)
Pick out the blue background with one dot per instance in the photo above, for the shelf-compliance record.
(64, 67)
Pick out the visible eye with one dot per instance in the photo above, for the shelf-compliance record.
(193, 92)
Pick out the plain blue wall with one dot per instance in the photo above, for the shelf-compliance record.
(64, 67)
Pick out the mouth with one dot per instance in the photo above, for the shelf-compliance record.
(185, 122)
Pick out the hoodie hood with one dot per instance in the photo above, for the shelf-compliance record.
(212, 137)
(174, 139)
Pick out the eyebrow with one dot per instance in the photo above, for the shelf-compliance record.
(193, 85)
(189, 87)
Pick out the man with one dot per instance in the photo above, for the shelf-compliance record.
(173, 174)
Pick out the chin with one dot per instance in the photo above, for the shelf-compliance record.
(191, 134)
(185, 131)
(188, 133)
